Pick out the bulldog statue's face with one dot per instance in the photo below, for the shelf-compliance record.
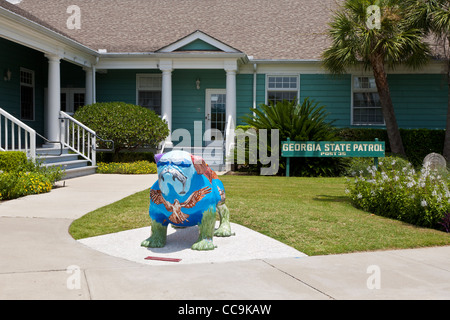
(175, 169)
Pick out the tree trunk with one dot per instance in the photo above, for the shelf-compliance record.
(395, 140)
(446, 151)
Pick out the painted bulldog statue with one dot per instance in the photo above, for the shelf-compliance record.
(187, 193)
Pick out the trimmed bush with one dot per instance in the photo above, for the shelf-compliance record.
(129, 126)
(126, 156)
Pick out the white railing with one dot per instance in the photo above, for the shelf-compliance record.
(80, 139)
(16, 135)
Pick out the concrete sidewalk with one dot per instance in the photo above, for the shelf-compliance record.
(40, 260)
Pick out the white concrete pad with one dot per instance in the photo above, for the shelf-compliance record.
(246, 244)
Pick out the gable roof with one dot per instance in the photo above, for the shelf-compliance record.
(264, 29)
(198, 41)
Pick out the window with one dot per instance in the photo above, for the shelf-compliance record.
(149, 91)
(366, 102)
(72, 99)
(281, 88)
(78, 100)
(26, 94)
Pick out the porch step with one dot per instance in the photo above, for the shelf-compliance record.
(51, 151)
(69, 162)
(50, 159)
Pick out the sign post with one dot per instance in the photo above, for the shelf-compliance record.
(331, 149)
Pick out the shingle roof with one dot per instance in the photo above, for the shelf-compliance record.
(24, 13)
(264, 29)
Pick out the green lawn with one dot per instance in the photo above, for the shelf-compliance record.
(312, 215)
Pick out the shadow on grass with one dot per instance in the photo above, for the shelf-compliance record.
(328, 198)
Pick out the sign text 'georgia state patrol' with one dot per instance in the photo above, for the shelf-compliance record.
(332, 149)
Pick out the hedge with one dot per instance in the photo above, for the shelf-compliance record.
(417, 142)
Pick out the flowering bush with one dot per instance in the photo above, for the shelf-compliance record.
(400, 192)
(18, 184)
(21, 177)
(138, 167)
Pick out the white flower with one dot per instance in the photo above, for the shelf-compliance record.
(359, 196)
(347, 191)
(393, 162)
(423, 203)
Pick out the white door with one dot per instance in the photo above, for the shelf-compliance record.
(215, 115)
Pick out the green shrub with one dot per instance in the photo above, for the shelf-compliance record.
(20, 176)
(128, 125)
(400, 192)
(138, 167)
(12, 160)
(126, 156)
(417, 142)
(17, 184)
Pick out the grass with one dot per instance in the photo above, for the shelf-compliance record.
(312, 215)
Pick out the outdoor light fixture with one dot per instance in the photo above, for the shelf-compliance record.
(8, 75)
(197, 83)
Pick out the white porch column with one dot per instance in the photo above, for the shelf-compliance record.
(231, 96)
(166, 97)
(54, 98)
(89, 86)
(231, 69)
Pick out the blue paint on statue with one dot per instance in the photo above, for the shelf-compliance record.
(187, 193)
(185, 189)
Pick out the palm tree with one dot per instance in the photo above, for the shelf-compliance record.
(387, 43)
(433, 16)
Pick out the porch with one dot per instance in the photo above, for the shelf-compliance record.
(197, 98)
(36, 88)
